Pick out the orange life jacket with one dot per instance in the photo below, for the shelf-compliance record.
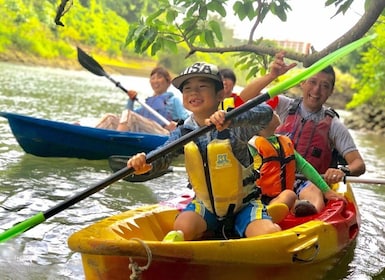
(277, 168)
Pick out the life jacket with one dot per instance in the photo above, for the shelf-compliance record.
(159, 104)
(231, 102)
(218, 179)
(311, 139)
(277, 164)
(227, 103)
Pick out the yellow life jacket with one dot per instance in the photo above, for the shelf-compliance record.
(227, 103)
(219, 184)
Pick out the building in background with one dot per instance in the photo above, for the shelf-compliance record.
(300, 47)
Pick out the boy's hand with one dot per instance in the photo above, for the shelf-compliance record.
(138, 162)
(218, 119)
(171, 126)
(132, 94)
(332, 195)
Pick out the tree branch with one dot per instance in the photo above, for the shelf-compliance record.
(373, 11)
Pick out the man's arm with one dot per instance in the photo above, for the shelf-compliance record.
(277, 68)
(355, 162)
(344, 143)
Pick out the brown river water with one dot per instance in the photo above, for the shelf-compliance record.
(30, 184)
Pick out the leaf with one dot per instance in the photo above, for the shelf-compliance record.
(344, 7)
(249, 10)
(209, 38)
(252, 73)
(140, 30)
(240, 10)
(241, 61)
(203, 12)
(171, 15)
(145, 39)
(157, 46)
(138, 45)
(131, 34)
(170, 45)
(216, 28)
(151, 34)
(329, 2)
(191, 11)
(217, 7)
(189, 26)
(153, 16)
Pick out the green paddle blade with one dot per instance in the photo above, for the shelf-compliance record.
(22, 227)
(318, 66)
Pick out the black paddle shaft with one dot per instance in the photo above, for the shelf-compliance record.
(161, 152)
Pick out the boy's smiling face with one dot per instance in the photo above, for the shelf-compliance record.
(200, 96)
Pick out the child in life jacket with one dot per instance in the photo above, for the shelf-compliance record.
(277, 162)
(218, 163)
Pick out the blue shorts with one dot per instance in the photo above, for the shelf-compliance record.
(254, 210)
(299, 185)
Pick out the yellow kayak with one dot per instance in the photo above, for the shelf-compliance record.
(130, 245)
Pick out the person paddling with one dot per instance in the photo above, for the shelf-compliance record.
(225, 188)
(141, 119)
(316, 132)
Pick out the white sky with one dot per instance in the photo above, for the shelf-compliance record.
(308, 21)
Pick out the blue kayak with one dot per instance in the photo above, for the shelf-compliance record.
(46, 138)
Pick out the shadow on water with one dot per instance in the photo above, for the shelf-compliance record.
(342, 269)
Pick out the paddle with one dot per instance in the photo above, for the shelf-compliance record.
(285, 85)
(93, 66)
(354, 179)
(117, 162)
(118, 166)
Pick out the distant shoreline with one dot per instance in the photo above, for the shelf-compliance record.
(73, 64)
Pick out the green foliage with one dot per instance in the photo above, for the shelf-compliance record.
(130, 10)
(201, 24)
(28, 26)
(343, 5)
(371, 86)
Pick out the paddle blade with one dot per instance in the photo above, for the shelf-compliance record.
(89, 63)
(318, 66)
(22, 227)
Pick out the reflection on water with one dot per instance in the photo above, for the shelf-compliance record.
(41, 183)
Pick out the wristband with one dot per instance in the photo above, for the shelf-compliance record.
(345, 169)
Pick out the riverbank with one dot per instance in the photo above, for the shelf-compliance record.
(367, 118)
(124, 66)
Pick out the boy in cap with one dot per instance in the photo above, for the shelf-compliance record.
(218, 163)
